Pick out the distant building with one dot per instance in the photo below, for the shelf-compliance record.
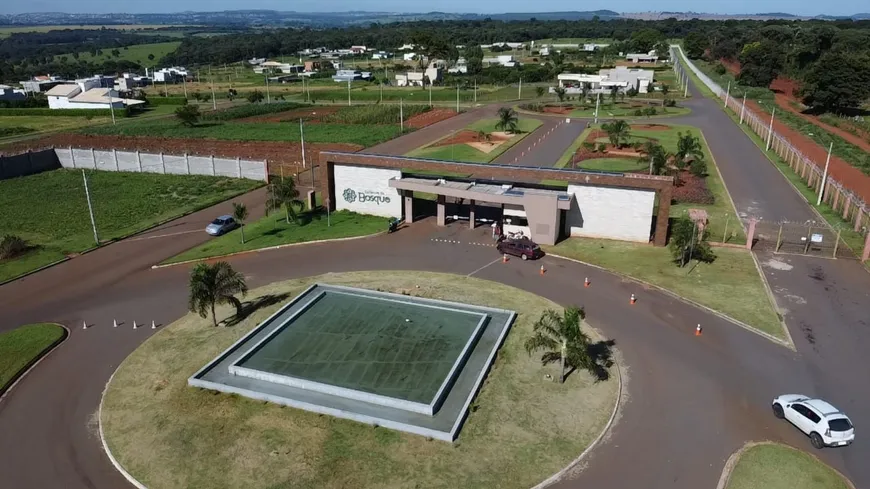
(512, 45)
(594, 47)
(312, 66)
(503, 60)
(86, 94)
(407, 47)
(416, 78)
(9, 93)
(409, 56)
(350, 75)
(175, 74)
(40, 84)
(621, 77)
(650, 57)
(357, 49)
(256, 61)
(382, 55)
(130, 81)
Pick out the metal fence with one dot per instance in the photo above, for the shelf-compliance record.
(802, 238)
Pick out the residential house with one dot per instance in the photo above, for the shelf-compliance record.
(9, 93)
(650, 57)
(350, 75)
(312, 66)
(357, 49)
(86, 94)
(590, 47)
(407, 47)
(503, 60)
(409, 56)
(130, 81)
(256, 61)
(175, 74)
(40, 84)
(621, 77)
(416, 78)
(382, 55)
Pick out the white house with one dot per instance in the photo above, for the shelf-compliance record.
(168, 75)
(594, 47)
(650, 57)
(409, 56)
(86, 94)
(621, 77)
(503, 60)
(382, 55)
(9, 93)
(357, 49)
(415, 78)
(407, 47)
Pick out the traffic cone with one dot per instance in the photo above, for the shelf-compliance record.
(698, 330)
(586, 282)
(114, 323)
(153, 325)
(542, 269)
(504, 259)
(633, 299)
(134, 325)
(84, 325)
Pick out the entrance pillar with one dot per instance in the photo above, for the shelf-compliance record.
(750, 235)
(409, 206)
(471, 214)
(866, 255)
(442, 211)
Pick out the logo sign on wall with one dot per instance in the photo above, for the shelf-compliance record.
(350, 196)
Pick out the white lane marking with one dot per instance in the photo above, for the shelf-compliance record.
(165, 235)
(487, 265)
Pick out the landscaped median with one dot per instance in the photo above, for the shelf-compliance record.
(730, 284)
(274, 230)
(775, 466)
(606, 110)
(480, 142)
(23, 346)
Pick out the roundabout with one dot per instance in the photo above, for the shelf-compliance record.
(521, 427)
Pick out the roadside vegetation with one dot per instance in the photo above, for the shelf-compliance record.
(775, 466)
(22, 346)
(123, 203)
(521, 428)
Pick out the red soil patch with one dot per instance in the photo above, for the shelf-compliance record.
(277, 154)
(467, 136)
(733, 67)
(308, 114)
(428, 118)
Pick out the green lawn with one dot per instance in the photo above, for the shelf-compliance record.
(52, 122)
(50, 211)
(774, 466)
(716, 285)
(521, 427)
(464, 152)
(613, 164)
(22, 346)
(137, 53)
(273, 230)
(363, 135)
(369, 92)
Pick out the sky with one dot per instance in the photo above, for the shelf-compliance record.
(799, 7)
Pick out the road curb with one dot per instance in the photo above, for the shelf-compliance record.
(732, 461)
(33, 363)
(617, 407)
(269, 248)
(674, 295)
(132, 480)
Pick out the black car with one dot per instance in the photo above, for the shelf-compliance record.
(523, 248)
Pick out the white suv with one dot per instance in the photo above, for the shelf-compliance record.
(825, 424)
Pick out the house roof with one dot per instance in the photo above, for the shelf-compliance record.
(64, 90)
(101, 96)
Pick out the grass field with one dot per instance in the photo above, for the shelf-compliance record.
(51, 123)
(22, 346)
(273, 230)
(521, 427)
(715, 285)
(774, 466)
(613, 164)
(283, 131)
(6, 31)
(50, 211)
(464, 152)
(137, 53)
(375, 352)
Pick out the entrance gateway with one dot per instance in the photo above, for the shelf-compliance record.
(550, 202)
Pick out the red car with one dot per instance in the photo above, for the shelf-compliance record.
(523, 248)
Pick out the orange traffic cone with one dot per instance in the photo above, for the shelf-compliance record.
(633, 299)
(586, 283)
(504, 259)
(542, 269)
(698, 330)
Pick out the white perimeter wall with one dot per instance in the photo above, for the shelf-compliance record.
(367, 190)
(614, 213)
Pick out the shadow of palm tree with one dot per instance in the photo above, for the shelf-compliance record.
(601, 359)
(250, 307)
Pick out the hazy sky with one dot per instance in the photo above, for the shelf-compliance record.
(800, 7)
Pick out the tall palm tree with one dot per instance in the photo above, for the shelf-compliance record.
(283, 194)
(657, 157)
(560, 93)
(617, 131)
(688, 148)
(215, 284)
(507, 120)
(562, 340)
(240, 213)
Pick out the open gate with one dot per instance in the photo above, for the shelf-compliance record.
(807, 238)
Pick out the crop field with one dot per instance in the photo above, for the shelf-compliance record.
(9, 30)
(240, 131)
(137, 53)
(49, 210)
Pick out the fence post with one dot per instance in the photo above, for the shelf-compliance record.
(866, 254)
(239, 166)
(778, 239)
(212, 166)
(162, 163)
(139, 161)
(837, 243)
(115, 157)
(94, 157)
(809, 238)
(72, 156)
(846, 207)
(859, 216)
(187, 163)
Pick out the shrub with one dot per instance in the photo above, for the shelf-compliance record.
(532, 107)
(588, 145)
(12, 131)
(602, 147)
(687, 243)
(698, 168)
(251, 110)
(670, 103)
(167, 101)
(638, 112)
(720, 69)
(12, 246)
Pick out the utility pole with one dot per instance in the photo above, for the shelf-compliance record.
(112, 106)
(90, 208)
(597, 103)
(348, 91)
(770, 130)
(727, 94)
(401, 117)
(302, 138)
(743, 108)
(184, 84)
(430, 94)
(475, 89)
(825, 175)
(520, 94)
(457, 99)
(213, 99)
(268, 99)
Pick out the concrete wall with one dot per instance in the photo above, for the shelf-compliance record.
(366, 190)
(28, 163)
(608, 212)
(134, 161)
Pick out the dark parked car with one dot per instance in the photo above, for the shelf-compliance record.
(523, 248)
(221, 225)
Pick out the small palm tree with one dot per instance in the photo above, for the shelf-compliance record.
(240, 213)
(688, 148)
(614, 91)
(560, 93)
(215, 284)
(617, 131)
(540, 91)
(657, 157)
(507, 120)
(283, 194)
(562, 340)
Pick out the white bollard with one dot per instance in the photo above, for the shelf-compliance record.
(153, 325)
(114, 323)
(134, 325)
(84, 325)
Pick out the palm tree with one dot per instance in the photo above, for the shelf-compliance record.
(560, 93)
(688, 148)
(657, 157)
(562, 340)
(240, 213)
(617, 131)
(507, 120)
(215, 284)
(540, 91)
(614, 91)
(283, 193)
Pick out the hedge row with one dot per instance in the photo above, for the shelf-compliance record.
(167, 101)
(65, 112)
